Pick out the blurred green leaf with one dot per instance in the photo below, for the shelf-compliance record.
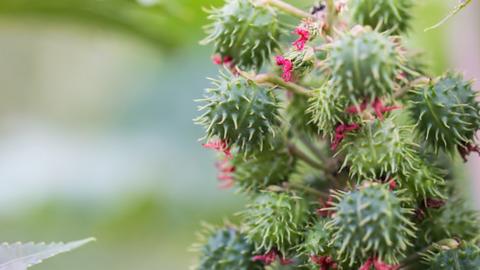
(150, 20)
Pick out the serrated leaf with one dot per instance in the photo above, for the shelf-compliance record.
(20, 256)
(458, 8)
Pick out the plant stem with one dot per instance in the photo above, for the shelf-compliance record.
(331, 14)
(313, 148)
(287, 8)
(310, 161)
(276, 81)
(404, 90)
(310, 190)
(301, 155)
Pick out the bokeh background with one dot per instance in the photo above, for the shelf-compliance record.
(96, 132)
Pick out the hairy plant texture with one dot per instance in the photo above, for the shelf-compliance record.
(447, 112)
(384, 15)
(276, 221)
(464, 257)
(241, 113)
(243, 31)
(225, 249)
(380, 150)
(371, 222)
(363, 64)
(339, 140)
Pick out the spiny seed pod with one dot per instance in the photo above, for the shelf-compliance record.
(327, 109)
(363, 64)
(316, 247)
(303, 61)
(276, 221)
(266, 168)
(380, 150)
(299, 116)
(454, 219)
(464, 257)
(383, 15)
(316, 240)
(370, 222)
(424, 182)
(448, 115)
(225, 249)
(243, 31)
(240, 112)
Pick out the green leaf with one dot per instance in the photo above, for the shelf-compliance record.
(21, 256)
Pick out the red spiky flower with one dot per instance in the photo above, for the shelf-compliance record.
(341, 133)
(287, 67)
(304, 36)
(270, 257)
(378, 265)
(225, 169)
(325, 262)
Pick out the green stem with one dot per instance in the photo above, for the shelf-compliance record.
(301, 155)
(310, 161)
(287, 8)
(331, 14)
(276, 81)
(310, 190)
(313, 148)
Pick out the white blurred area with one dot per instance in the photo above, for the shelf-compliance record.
(464, 52)
(90, 115)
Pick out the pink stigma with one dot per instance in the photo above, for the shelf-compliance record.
(325, 262)
(357, 109)
(270, 257)
(380, 109)
(378, 265)
(377, 106)
(434, 203)
(392, 184)
(219, 146)
(287, 68)
(304, 36)
(341, 133)
(466, 150)
(225, 169)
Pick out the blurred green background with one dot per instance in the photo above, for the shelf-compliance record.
(96, 136)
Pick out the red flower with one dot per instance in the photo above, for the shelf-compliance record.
(357, 109)
(434, 203)
(325, 262)
(219, 146)
(392, 184)
(377, 106)
(340, 133)
(270, 257)
(224, 168)
(304, 36)
(378, 265)
(287, 68)
(380, 109)
(218, 60)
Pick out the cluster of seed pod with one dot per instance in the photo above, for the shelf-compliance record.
(338, 139)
